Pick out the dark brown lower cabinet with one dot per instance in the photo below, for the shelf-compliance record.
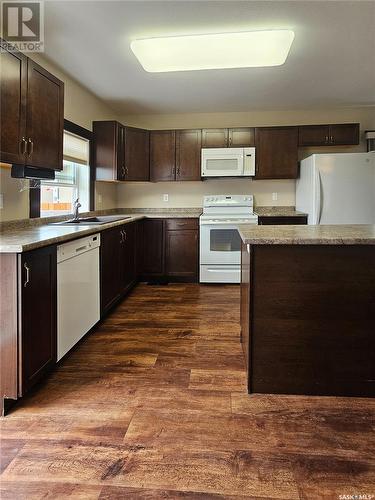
(307, 319)
(117, 263)
(38, 326)
(181, 249)
(282, 219)
(169, 250)
(151, 249)
(28, 312)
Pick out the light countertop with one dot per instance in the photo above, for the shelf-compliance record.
(21, 238)
(308, 235)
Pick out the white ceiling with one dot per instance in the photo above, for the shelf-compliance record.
(331, 62)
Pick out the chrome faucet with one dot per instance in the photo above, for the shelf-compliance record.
(76, 206)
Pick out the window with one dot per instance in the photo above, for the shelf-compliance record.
(57, 196)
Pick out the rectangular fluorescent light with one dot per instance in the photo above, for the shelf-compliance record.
(247, 49)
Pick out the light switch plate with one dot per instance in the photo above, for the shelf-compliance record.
(165, 197)
(274, 196)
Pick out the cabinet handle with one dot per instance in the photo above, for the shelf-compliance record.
(122, 237)
(124, 234)
(27, 269)
(31, 150)
(178, 172)
(230, 140)
(22, 150)
(126, 170)
(327, 138)
(331, 138)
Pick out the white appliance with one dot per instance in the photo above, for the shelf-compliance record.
(220, 242)
(78, 291)
(227, 162)
(337, 188)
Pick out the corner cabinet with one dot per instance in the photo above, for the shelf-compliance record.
(120, 153)
(276, 153)
(341, 134)
(32, 113)
(28, 310)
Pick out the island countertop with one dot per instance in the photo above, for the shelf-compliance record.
(308, 235)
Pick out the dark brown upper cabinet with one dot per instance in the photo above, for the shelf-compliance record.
(44, 118)
(13, 91)
(241, 137)
(32, 113)
(162, 155)
(215, 138)
(224, 137)
(137, 154)
(188, 155)
(276, 152)
(120, 153)
(343, 134)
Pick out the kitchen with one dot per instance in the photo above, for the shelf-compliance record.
(142, 349)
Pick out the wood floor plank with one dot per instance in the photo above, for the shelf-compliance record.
(30, 490)
(153, 404)
(218, 380)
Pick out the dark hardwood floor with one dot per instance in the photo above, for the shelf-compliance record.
(153, 404)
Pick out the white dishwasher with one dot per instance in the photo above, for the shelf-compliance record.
(78, 290)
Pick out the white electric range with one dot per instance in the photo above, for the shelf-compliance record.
(220, 242)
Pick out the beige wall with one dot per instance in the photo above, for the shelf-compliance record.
(81, 107)
(190, 194)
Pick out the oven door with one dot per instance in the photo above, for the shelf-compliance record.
(220, 244)
(222, 162)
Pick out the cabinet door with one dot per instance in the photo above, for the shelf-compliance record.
(128, 264)
(120, 154)
(313, 135)
(110, 267)
(13, 86)
(344, 134)
(137, 157)
(44, 118)
(241, 137)
(188, 155)
(162, 155)
(37, 289)
(282, 220)
(276, 152)
(214, 138)
(153, 247)
(181, 254)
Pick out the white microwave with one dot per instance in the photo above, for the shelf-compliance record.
(227, 162)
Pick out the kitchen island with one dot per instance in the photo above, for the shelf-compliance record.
(308, 309)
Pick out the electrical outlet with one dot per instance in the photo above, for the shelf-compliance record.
(165, 197)
(100, 200)
(274, 196)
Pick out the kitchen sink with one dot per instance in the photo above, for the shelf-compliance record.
(95, 221)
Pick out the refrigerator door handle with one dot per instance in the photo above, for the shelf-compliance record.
(321, 196)
(317, 207)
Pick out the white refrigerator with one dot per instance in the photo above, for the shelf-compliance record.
(337, 188)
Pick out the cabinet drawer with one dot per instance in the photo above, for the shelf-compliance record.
(175, 224)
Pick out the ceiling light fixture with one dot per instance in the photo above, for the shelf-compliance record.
(247, 49)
